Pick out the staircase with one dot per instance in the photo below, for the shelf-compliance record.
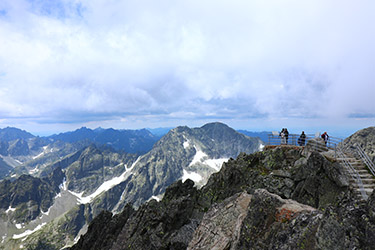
(361, 180)
(359, 167)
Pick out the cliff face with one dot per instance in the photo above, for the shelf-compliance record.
(276, 199)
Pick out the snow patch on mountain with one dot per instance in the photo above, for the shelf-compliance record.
(33, 171)
(10, 209)
(186, 144)
(155, 198)
(199, 155)
(192, 176)
(3, 238)
(46, 213)
(63, 185)
(28, 232)
(215, 163)
(42, 153)
(122, 197)
(37, 156)
(105, 186)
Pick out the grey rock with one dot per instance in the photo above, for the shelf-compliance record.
(365, 138)
(220, 227)
(281, 173)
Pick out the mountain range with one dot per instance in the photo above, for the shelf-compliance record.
(57, 186)
(131, 141)
(196, 188)
(280, 198)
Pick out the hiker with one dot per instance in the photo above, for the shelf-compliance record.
(282, 135)
(302, 139)
(286, 135)
(325, 137)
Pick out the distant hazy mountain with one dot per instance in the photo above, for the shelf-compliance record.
(24, 153)
(159, 131)
(262, 135)
(10, 134)
(130, 141)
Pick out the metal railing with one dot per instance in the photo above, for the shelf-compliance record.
(353, 173)
(366, 159)
(293, 139)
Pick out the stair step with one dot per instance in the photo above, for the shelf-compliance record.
(358, 165)
(362, 171)
(365, 186)
(364, 181)
(367, 190)
(363, 174)
(347, 159)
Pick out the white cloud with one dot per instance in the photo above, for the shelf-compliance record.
(228, 59)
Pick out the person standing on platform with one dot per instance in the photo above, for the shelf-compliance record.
(286, 135)
(302, 139)
(282, 135)
(325, 137)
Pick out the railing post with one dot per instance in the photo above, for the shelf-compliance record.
(335, 151)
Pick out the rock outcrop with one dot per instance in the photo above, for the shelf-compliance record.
(29, 196)
(314, 181)
(276, 199)
(106, 227)
(220, 226)
(365, 138)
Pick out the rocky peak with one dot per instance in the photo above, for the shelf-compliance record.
(365, 138)
(11, 134)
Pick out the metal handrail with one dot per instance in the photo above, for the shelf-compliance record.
(366, 159)
(276, 139)
(353, 173)
(292, 139)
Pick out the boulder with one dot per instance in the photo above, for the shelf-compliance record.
(220, 227)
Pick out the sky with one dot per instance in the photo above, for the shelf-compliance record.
(128, 64)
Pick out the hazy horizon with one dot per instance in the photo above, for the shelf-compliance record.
(341, 133)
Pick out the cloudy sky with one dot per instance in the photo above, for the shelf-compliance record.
(253, 64)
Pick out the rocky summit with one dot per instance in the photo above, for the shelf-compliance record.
(280, 198)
